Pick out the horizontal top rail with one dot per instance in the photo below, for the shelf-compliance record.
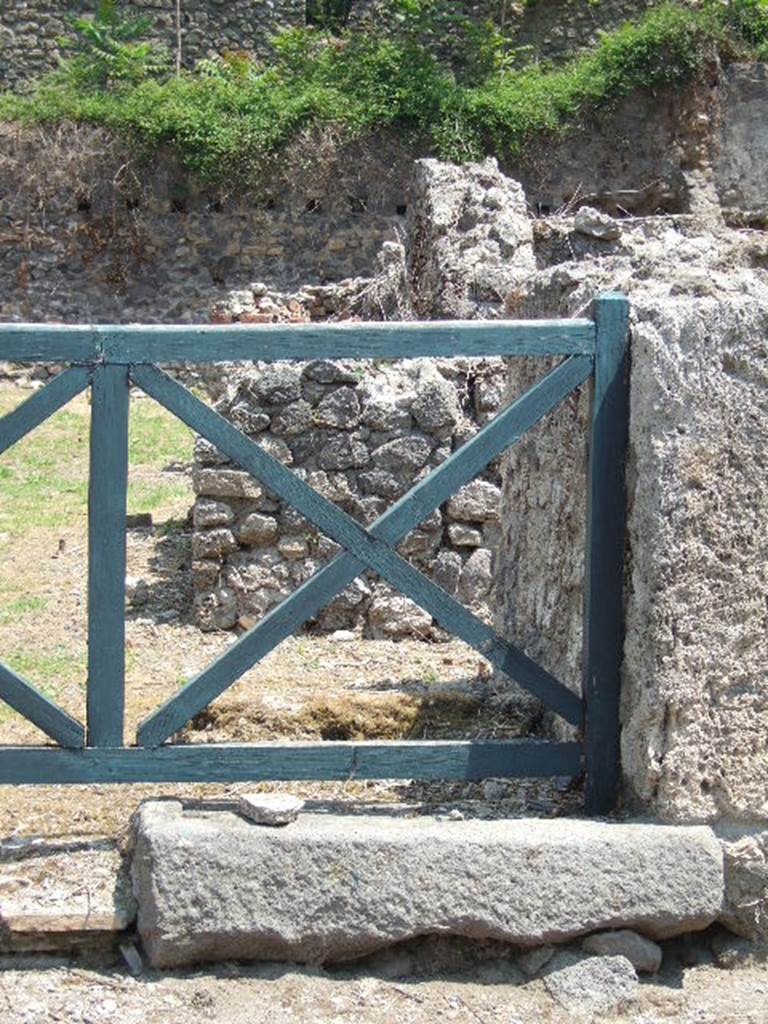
(171, 343)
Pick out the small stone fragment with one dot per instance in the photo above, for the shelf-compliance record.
(208, 513)
(476, 577)
(340, 408)
(404, 455)
(644, 955)
(343, 452)
(475, 502)
(225, 483)
(589, 221)
(436, 404)
(214, 543)
(136, 590)
(279, 385)
(270, 808)
(464, 536)
(293, 548)
(587, 985)
(258, 530)
(394, 617)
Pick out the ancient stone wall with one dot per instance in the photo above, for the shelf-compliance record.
(30, 29)
(362, 435)
(91, 234)
(741, 144)
(695, 673)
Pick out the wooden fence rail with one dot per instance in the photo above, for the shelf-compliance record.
(110, 359)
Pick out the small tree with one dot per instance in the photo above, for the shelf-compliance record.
(111, 48)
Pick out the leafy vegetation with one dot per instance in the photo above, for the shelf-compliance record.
(110, 48)
(460, 86)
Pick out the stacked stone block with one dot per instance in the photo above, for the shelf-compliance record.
(362, 435)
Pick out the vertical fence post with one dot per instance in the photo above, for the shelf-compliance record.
(106, 556)
(604, 566)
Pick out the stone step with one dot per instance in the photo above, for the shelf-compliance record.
(211, 885)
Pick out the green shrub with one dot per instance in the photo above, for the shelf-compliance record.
(110, 48)
(230, 114)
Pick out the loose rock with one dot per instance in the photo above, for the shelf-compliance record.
(590, 985)
(589, 221)
(644, 955)
(270, 808)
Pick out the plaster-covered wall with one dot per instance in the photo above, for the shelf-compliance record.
(741, 143)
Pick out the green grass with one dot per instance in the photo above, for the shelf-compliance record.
(49, 670)
(44, 478)
(18, 607)
(227, 117)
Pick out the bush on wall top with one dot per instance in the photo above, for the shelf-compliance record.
(227, 115)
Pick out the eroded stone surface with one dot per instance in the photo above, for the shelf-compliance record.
(333, 887)
(590, 985)
(274, 809)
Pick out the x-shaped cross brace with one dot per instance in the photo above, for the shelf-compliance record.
(371, 548)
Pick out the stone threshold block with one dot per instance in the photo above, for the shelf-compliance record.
(215, 886)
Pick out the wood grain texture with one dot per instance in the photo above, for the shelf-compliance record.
(366, 547)
(416, 759)
(42, 404)
(155, 343)
(49, 343)
(404, 340)
(106, 556)
(43, 713)
(604, 563)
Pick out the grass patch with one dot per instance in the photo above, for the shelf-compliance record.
(49, 670)
(227, 117)
(18, 607)
(156, 437)
(44, 478)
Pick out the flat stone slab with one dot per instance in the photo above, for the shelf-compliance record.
(62, 897)
(211, 886)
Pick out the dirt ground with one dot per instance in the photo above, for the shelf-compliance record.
(39, 991)
(309, 688)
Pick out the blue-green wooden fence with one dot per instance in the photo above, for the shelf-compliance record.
(109, 359)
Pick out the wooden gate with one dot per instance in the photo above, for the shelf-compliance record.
(108, 360)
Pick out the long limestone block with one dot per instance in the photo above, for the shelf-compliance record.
(214, 886)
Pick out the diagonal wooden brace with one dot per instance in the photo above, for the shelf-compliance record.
(369, 548)
(44, 403)
(43, 713)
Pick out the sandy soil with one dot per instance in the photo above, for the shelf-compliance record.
(38, 991)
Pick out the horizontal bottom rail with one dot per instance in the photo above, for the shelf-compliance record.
(203, 762)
